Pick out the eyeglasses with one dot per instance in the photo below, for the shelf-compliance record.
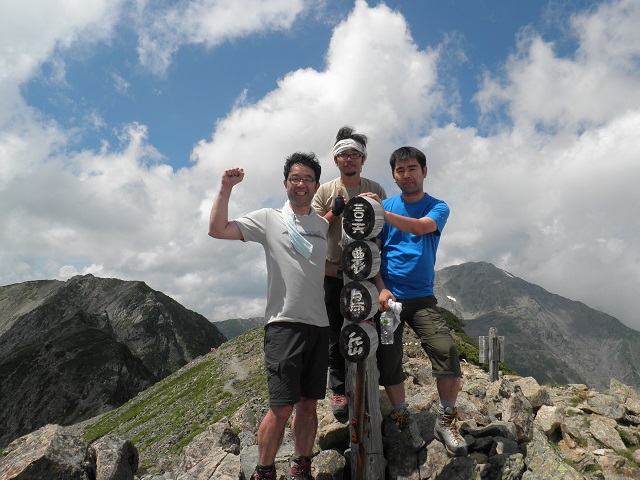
(352, 156)
(306, 180)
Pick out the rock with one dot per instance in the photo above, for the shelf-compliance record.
(619, 391)
(543, 462)
(605, 405)
(610, 462)
(630, 435)
(549, 419)
(503, 446)
(214, 453)
(333, 435)
(45, 453)
(116, 458)
(495, 429)
(580, 387)
(329, 465)
(53, 452)
(604, 431)
(573, 432)
(633, 406)
(518, 411)
(437, 464)
(507, 467)
(537, 395)
(481, 445)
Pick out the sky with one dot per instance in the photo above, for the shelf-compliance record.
(118, 117)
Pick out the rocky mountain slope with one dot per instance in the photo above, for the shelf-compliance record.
(548, 337)
(71, 350)
(201, 422)
(233, 327)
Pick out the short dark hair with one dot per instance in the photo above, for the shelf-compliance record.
(347, 132)
(405, 153)
(305, 159)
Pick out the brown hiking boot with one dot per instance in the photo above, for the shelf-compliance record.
(409, 428)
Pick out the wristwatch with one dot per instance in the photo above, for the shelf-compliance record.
(339, 271)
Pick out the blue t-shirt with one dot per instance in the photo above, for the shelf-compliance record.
(407, 260)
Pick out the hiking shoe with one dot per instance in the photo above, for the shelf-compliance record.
(259, 474)
(300, 469)
(409, 427)
(447, 432)
(340, 407)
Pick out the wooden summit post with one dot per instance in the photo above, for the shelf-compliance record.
(491, 351)
(362, 220)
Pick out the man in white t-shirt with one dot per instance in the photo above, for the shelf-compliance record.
(296, 340)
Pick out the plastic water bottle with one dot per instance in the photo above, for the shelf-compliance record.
(386, 328)
(389, 321)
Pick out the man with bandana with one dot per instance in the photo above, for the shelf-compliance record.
(349, 155)
(296, 333)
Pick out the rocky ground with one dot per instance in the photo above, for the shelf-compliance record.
(515, 428)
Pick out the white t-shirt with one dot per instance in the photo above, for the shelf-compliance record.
(295, 288)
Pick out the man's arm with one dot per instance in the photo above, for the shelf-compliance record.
(219, 224)
(384, 294)
(416, 226)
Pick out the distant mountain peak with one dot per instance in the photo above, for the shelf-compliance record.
(70, 350)
(552, 338)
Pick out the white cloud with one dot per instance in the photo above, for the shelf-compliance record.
(29, 36)
(120, 84)
(550, 199)
(163, 31)
(545, 92)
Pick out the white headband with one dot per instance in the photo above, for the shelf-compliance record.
(348, 143)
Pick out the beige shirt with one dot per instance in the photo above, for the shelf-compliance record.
(323, 201)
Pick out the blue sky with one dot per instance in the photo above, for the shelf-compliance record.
(181, 104)
(117, 119)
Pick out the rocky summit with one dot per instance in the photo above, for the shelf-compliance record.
(201, 423)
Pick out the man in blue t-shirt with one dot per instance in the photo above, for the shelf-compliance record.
(408, 243)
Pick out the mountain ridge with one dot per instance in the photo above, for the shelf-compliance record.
(203, 418)
(547, 336)
(201, 422)
(71, 350)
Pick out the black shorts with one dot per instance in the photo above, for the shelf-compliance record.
(296, 357)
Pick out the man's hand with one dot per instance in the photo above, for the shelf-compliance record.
(219, 224)
(232, 177)
(383, 299)
(371, 195)
(338, 204)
